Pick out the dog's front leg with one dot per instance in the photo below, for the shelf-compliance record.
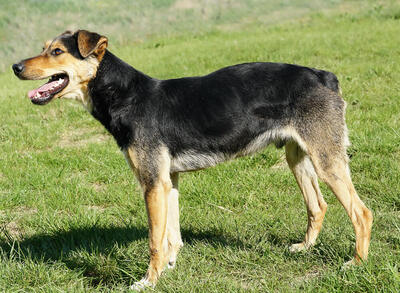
(173, 228)
(156, 184)
(156, 198)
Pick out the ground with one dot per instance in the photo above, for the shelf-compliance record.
(72, 216)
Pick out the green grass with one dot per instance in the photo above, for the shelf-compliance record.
(72, 217)
(26, 24)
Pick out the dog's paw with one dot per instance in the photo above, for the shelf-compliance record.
(141, 285)
(349, 264)
(173, 256)
(171, 264)
(172, 261)
(297, 247)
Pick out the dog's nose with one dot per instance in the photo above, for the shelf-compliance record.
(18, 68)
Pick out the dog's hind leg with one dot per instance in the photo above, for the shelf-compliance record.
(173, 228)
(303, 170)
(322, 134)
(336, 174)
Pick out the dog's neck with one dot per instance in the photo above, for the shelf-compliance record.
(118, 94)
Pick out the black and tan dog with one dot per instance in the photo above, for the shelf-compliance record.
(164, 127)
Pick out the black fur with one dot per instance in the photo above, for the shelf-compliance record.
(170, 126)
(217, 113)
(70, 41)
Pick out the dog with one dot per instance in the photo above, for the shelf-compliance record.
(165, 127)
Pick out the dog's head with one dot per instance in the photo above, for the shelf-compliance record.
(70, 61)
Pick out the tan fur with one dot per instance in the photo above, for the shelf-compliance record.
(315, 139)
(47, 44)
(324, 135)
(306, 178)
(130, 156)
(87, 45)
(320, 155)
(80, 72)
(337, 177)
(158, 195)
(173, 227)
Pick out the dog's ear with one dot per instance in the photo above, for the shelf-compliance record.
(91, 43)
(68, 32)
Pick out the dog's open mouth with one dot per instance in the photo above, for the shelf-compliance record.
(46, 92)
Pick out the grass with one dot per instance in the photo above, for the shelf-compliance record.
(26, 24)
(72, 217)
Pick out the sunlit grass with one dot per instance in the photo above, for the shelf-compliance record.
(72, 217)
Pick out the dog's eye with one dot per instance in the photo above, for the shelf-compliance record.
(56, 52)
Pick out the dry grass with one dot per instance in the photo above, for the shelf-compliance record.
(75, 138)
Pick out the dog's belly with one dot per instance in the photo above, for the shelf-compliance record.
(191, 160)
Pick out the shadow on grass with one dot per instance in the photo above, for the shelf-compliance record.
(100, 252)
(53, 246)
(214, 238)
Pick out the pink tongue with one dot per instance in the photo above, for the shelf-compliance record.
(44, 88)
(32, 93)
